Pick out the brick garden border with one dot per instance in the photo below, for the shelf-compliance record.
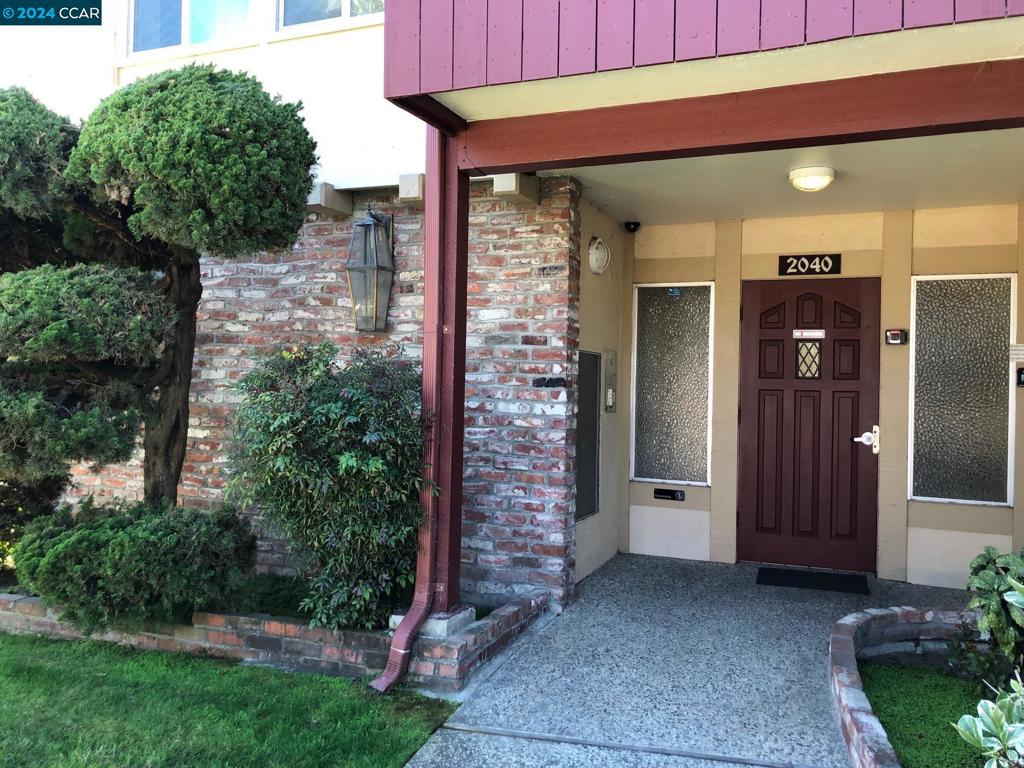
(878, 632)
(443, 665)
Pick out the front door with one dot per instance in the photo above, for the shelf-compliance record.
(808, 493)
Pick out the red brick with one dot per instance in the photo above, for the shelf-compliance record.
(522, 323)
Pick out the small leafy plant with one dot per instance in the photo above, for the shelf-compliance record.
(998, 729)
(1000, 621)
(333, 456)
(122, 564)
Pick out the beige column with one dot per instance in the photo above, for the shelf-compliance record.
(725, 382)
(1018, 464)
(894, 381)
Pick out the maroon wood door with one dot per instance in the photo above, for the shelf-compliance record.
(808, 494)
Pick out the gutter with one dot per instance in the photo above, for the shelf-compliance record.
(433, 290)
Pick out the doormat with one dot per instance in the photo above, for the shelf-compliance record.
(854, 583)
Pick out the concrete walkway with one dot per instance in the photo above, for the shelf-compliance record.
(668, 664)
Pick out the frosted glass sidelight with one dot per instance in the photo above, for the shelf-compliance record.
(961, 395)
(671, 425)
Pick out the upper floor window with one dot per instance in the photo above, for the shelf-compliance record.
(302, 11)
(165, 23)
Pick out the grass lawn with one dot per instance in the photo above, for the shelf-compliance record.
(916, 706)
(95, 705)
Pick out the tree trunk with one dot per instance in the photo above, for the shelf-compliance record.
(166, 434)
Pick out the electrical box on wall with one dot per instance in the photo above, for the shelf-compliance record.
(896, 336)
(611, 380)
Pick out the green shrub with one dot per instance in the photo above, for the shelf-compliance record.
(20, 503)
(333, 457)
(123, 564)
(205, 159)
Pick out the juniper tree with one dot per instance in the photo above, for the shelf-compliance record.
(103, 227)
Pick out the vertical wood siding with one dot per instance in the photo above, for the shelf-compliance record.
(504, 41)
(540, 39)
(470, 50)
(434, 46)
(615, 34)
(577, 37)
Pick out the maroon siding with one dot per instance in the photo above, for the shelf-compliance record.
(696, 29)
(655, 34)
(615, 34)
(872, 16)
(504, 23)
(470, 50)
(927, 13)
(577, 37)
(434, 46)
(436, 39)
(829, 20)
(540, 39)
(782, 23)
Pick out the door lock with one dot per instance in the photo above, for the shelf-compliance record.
(870, 438)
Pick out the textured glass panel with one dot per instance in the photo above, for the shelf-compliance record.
(157, 24)
(217, 19)
(808, 360)
(302, 11)
(672, 383)
(364, 7)
(961, 395)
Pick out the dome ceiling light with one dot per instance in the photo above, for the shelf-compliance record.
(812, 178)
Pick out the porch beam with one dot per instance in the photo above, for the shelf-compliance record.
(940, 100)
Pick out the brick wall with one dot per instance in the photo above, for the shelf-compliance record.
(523, 331)
(439, 664)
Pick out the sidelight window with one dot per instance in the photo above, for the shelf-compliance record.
(671, 382)
(962, 405)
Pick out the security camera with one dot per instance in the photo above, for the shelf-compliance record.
(632, 226)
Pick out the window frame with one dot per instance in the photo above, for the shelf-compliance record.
(633, 477)
(268, 27)
(1011, 416)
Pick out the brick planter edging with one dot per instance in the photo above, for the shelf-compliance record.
(440, 664)
(878, 632)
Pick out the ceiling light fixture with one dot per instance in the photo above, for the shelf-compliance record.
(812, 179)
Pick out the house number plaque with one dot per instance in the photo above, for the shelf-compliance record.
(822, 264)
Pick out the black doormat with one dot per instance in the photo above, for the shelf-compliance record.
(854, 583)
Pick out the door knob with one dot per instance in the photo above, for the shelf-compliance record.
(869, 438)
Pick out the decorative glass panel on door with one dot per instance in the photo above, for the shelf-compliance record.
(961, 389)
(671, 389)
(808, 360)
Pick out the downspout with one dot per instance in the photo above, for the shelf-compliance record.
(426, 558)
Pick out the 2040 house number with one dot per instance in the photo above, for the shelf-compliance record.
(824, 264)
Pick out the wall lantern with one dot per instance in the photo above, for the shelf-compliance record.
(371, 269)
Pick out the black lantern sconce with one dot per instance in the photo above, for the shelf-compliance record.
(371, 269)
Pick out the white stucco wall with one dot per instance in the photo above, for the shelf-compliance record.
(335, 69)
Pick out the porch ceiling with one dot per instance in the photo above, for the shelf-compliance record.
(963, 169)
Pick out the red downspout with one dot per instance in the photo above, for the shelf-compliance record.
(426, 559)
